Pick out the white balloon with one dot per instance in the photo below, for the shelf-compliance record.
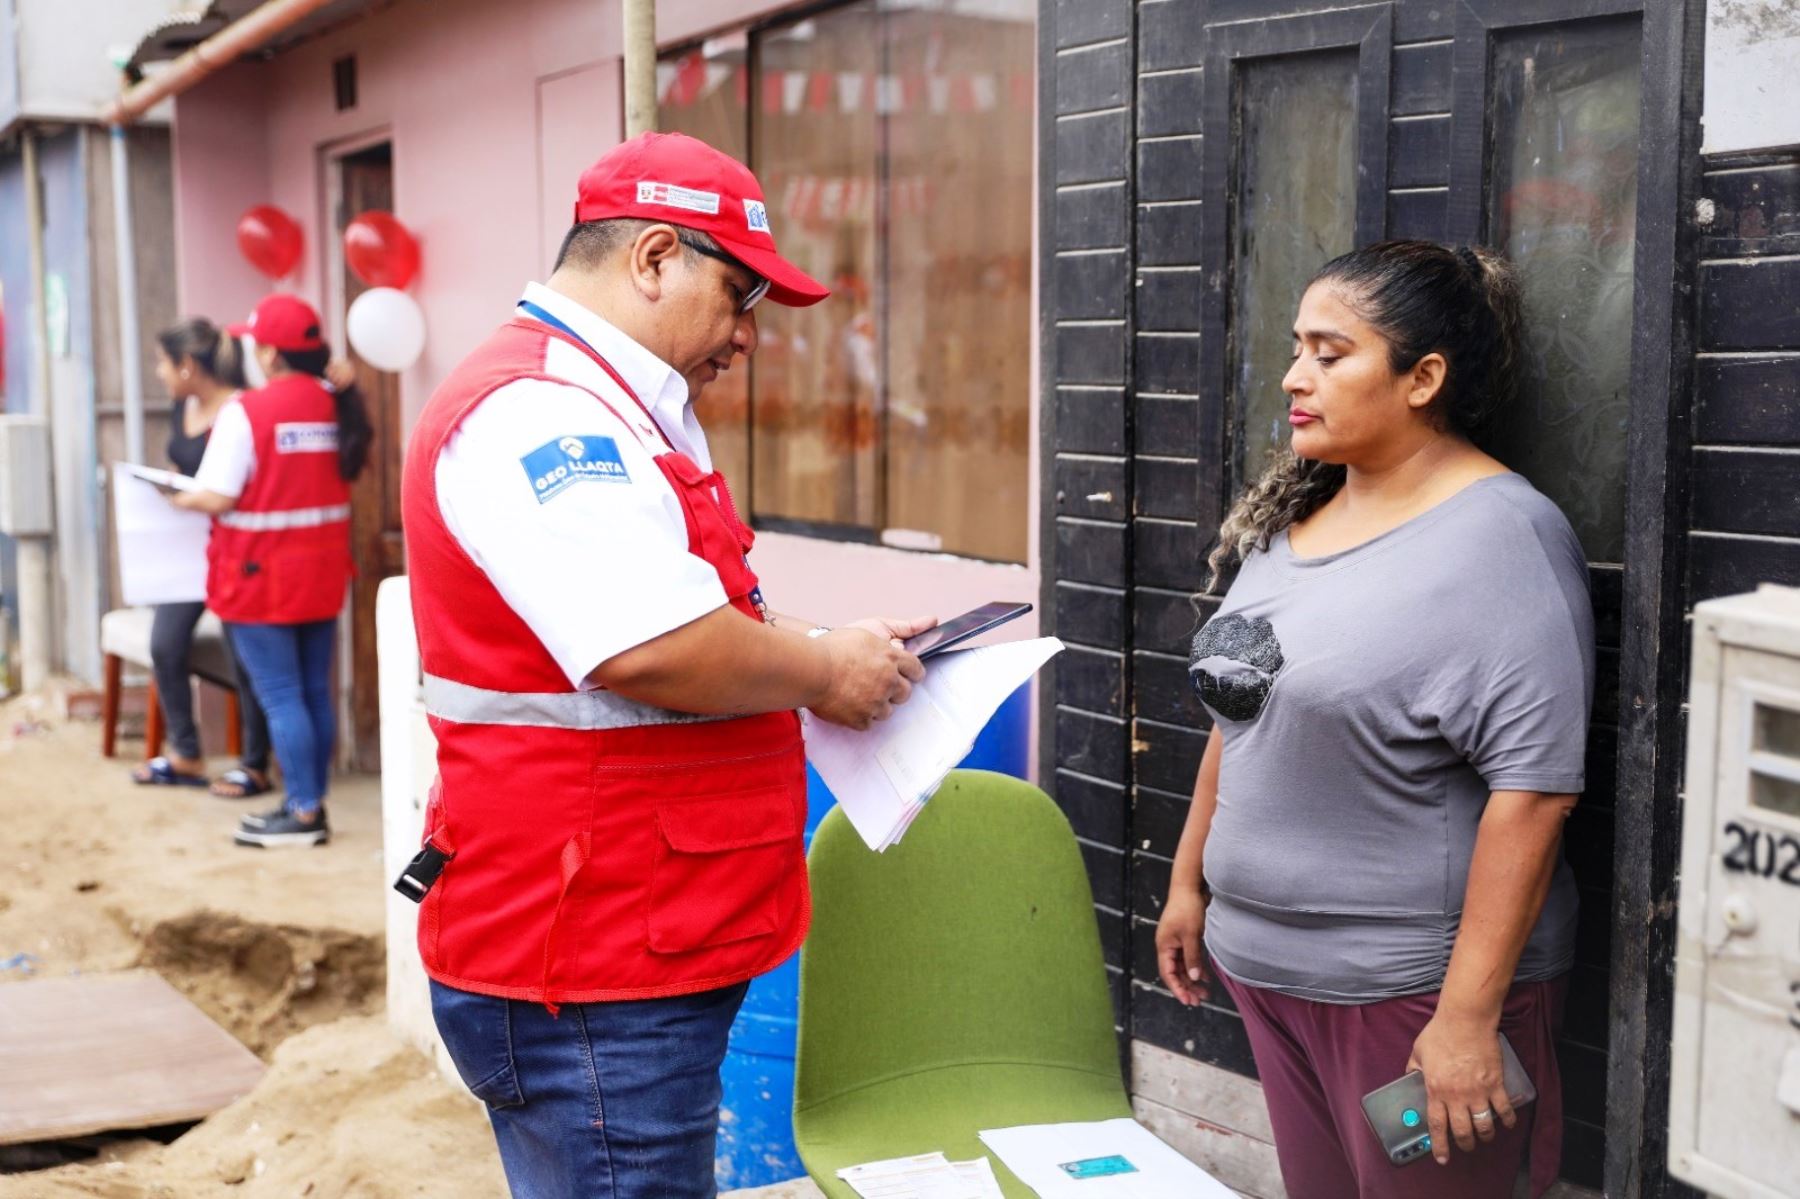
(386, 328)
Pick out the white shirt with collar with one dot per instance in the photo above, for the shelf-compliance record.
(594, 562)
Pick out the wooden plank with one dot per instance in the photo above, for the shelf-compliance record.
(1748, 401)
(1421, 79)
(1246, 1165)
(97, 1052)
(1419, 152)
(1721, 565)
(1747, 491)
(1748, 304)
(1162, 690)
(1192, 1088)
(1419, 214)
(1206, 1032)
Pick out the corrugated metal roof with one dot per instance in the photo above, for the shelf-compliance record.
(176, 35)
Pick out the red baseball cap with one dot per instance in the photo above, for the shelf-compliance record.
(282, 322)
(681, 180)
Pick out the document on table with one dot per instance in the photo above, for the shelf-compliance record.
(925, 1176)
(1106, 1159)
(162, 548)
(882, 777)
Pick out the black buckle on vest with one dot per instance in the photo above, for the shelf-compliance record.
(422, 872)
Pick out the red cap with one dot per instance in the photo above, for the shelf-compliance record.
(681, 180)
(282, 322)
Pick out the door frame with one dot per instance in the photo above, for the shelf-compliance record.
(351, 752)
(1653, 660)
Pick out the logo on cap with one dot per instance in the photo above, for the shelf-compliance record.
(572, 447)
(757, 217)
(673, 196)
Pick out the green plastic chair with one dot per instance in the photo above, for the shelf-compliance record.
(952, 984)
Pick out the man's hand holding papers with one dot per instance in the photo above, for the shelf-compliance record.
(883, 776)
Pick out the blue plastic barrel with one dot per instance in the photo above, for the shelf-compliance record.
(756, 1115)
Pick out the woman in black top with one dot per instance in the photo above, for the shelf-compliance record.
(201, 367)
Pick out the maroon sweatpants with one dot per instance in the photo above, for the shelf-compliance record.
(1317, 1061)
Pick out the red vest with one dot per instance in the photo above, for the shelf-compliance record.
(601, 849)
(282, 555)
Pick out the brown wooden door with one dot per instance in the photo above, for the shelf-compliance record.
(366, 182)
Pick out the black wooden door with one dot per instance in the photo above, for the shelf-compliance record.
(1266, 136)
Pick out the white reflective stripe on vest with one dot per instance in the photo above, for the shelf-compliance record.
(288, 518)
(586, 710)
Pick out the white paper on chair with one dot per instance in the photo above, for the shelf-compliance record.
(162, 548)
(1074, 1161)
(883, 776)
(924, 1176)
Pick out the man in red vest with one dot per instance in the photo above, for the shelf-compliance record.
(613, 849)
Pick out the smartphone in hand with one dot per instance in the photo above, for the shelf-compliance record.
(1396, 1112)
(958, 630)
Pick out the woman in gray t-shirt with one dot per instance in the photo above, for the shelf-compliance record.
(1399, 677)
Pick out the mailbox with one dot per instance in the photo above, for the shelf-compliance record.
(1734, 1095)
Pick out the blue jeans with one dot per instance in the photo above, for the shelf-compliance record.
(602, 1100)
(289, 666)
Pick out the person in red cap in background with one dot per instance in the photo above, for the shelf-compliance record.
(276, 479)
(613, 848)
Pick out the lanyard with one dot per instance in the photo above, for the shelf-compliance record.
(538, 313)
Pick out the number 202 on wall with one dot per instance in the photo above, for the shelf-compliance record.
(1754, 851)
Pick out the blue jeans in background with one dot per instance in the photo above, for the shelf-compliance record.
(289, 667)
(602, 1100)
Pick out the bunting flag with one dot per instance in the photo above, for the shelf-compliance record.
(686, 80)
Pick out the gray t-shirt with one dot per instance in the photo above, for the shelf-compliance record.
(1370, 701)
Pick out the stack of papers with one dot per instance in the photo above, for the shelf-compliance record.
(927, 1176)
(882, 777)
(1106, 1159)
(162, 548)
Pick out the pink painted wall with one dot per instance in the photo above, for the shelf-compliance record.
(493, 109)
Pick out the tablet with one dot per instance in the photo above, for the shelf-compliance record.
(956, 631)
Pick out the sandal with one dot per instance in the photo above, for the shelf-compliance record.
(160, 772)
(242, 782)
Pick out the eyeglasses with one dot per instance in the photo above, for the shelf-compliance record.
(758, 290)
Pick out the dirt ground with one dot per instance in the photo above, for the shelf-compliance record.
(282, 948)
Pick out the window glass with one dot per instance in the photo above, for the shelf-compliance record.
(958, 274)
(817, 384)
(894, 142)
(1296, 210)
(1563, 206)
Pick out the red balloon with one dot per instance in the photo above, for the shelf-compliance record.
(380, 250)
(270, 239)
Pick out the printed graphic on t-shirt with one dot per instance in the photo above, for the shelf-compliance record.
(306, 437)
(1234, 663)
(558, 465)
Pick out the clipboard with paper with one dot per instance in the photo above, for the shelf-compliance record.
(162, 548)
(882, 777)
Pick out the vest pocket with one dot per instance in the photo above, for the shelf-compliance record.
(721, 865)
(308, 579)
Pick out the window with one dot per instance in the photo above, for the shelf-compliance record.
(1562, 204)
(894, 143)
(1295, 210)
